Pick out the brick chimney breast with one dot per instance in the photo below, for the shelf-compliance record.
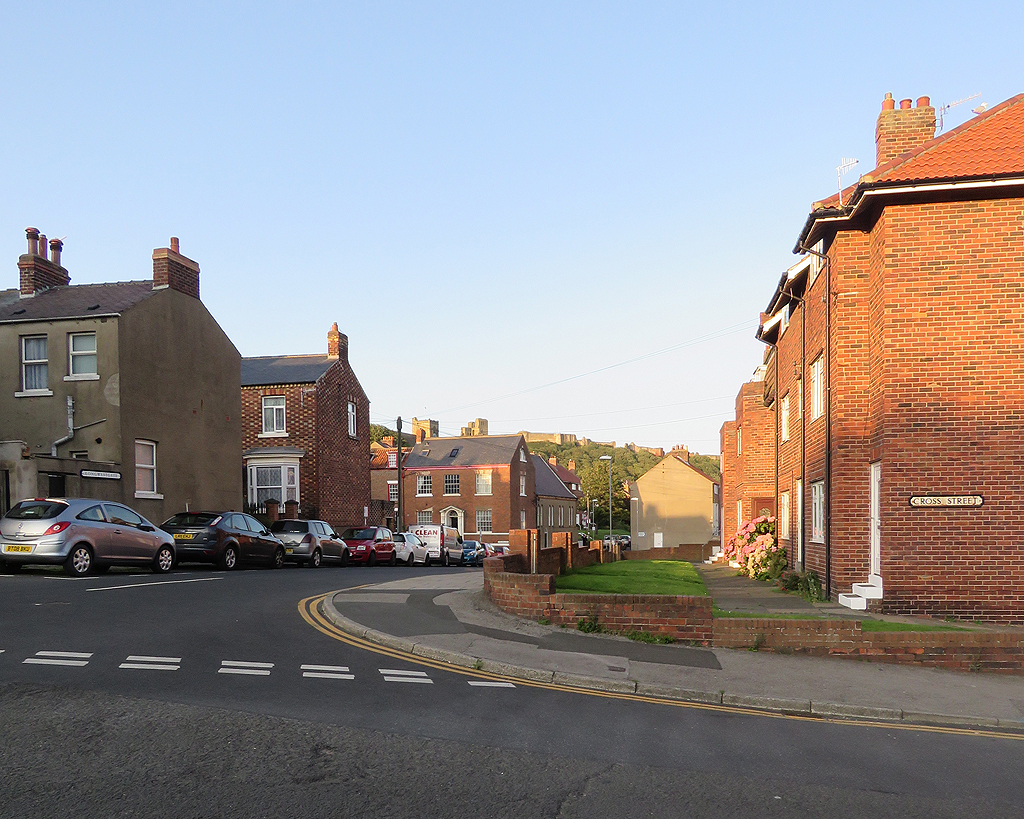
(171, 269)
(36, 272)
(902, 129)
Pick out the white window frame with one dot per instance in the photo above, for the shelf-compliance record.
(484, 482)
(522, 456)
(276, 430)
(392, 460)
(424, 485)
(817, 388)
(289, 468)
(43, 363)
(79, 356)
(452, 484)
(393, 491)
(561, 515)
(424, 517)
(522, 518)
(540, 515)
(484, 521)
(783, 519)
(818, 512)
(352, 431)
(551, 515)
(149, 488)
(784, 417)
(739, 440)
(522, 486)
(739, 514)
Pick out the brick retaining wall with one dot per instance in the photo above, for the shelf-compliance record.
(690, 552)
(533, 596)
(955, 650)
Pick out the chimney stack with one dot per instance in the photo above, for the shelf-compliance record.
(337, 344)
(171, 269)
(421, 435)
(37, 272)
(572, 466)
(902, 129)
(553, 460)
(388, 440)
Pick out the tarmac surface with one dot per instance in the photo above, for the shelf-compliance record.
(448, 618)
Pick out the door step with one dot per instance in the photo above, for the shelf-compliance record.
(862, 592)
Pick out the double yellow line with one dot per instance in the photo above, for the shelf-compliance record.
(309, 609)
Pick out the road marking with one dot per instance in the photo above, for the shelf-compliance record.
(74, 659)
(327, 672)
(401, 675)
(491, 684)
(154, 583)
(143, 663)
(323, 668)
(67, 655)
(243, 667)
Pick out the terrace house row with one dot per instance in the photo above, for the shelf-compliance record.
(894, 377)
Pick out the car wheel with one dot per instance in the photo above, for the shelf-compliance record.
(372, 558)
(279, 558)
(344, 557)
(393, 560)
(426, 560)
(445, 560)
(314, 561)
(164, 560)
(79, 561)
(412, 560)
(229, 559)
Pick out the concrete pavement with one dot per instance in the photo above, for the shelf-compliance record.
(447, 617)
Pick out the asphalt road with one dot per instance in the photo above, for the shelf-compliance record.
(204, 693)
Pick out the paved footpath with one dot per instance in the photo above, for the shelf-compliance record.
(448, 617)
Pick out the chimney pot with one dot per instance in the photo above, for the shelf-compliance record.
(888, 104)
(56, 246)
(32, 234)
(42, 245)
(334, 342)
(174, 244)
(905, 104)
(923, 102)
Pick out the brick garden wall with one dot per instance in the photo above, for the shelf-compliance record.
(954, 650)
(533, 596)
(692, 552)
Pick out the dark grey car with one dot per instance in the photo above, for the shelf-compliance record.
(308, 542)
(82, 534)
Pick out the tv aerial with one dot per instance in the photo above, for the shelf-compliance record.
(944, 108)
(844, 167)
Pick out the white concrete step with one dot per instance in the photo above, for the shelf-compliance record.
(868, 591)
(854, 601)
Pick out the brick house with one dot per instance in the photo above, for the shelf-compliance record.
(557, 504)
(748, 467)
(483, 486)
(384, 481)
(123, 391)
(899, 336)
(306, 432)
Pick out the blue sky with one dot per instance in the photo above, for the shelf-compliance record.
(488, 198)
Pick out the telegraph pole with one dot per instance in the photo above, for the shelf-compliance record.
(401, 520)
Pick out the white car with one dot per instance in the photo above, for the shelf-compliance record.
(409, 549)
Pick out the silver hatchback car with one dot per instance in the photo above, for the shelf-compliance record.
(82, 534)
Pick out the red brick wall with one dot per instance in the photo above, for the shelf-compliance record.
(692, 552)
(963, 651)
(343, 462)
(300, 424)
(533, 596)
(747, 474)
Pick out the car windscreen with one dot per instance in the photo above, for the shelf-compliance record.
(289, 526)
(190, 519)
(359, 534)
(36, 510)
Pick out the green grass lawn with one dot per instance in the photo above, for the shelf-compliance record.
(634, 577)
(885, 625)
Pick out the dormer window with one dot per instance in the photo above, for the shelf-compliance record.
(453, 453)
(392, 460)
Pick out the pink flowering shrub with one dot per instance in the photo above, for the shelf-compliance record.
(756, 550)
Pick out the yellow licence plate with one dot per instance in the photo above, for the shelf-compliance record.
(288, 551)
(183, 536)
(11, 547)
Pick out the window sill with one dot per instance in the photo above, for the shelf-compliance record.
(83, 377)
(272, 435)
(33, 393)
(149, 495)
(424, 496)
(452, 495)
(484, 494)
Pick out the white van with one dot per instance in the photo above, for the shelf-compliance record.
(441, 541)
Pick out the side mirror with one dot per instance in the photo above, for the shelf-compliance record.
(145, 527)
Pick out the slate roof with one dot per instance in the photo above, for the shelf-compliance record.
(548, 483)
(74, 301)
(284, 369)
(477, 450)
(567, 476)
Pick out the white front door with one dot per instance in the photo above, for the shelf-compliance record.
(876, 517)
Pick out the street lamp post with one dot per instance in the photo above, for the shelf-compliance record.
(609, 459)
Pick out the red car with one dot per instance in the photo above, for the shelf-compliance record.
(370, 545)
